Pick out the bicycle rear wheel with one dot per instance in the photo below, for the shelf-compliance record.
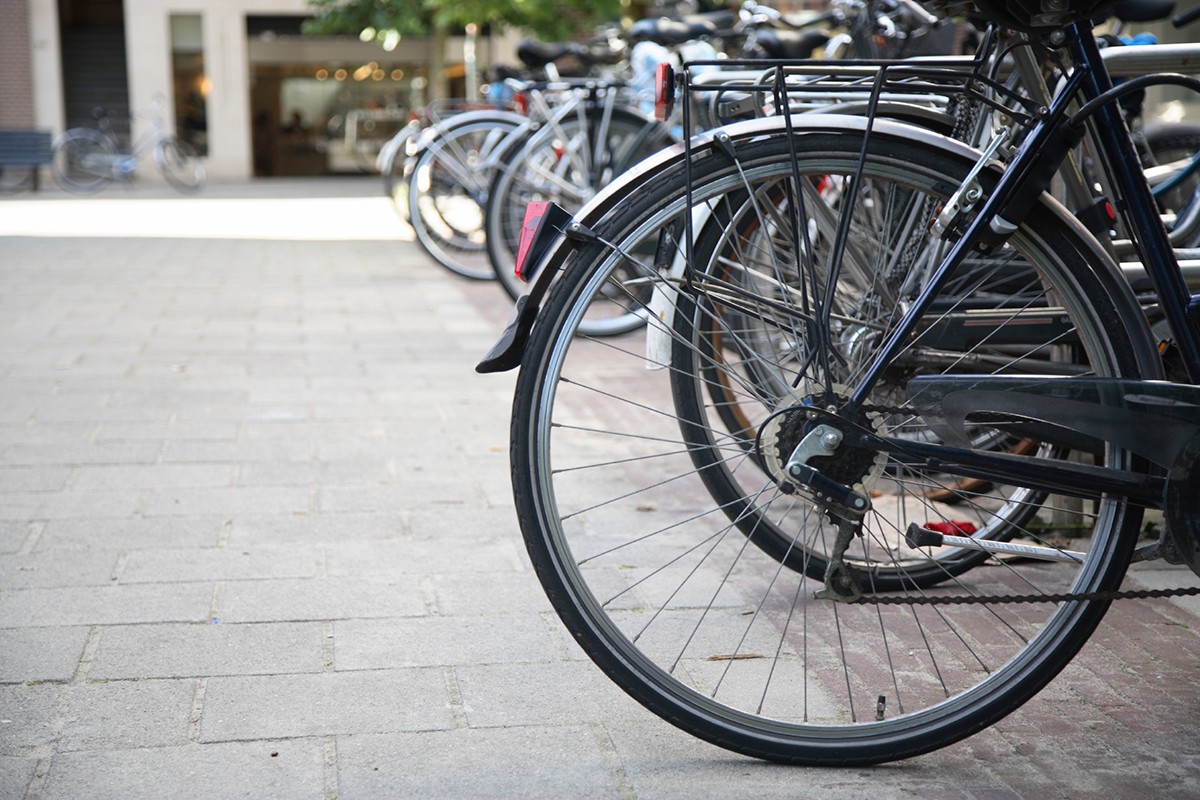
(640, 492)
(447, 191)
(180, 165)
(567, 164)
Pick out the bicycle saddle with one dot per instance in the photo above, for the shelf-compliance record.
(790, 44)
(1041, 16)
(670, 31)
(1143, 10)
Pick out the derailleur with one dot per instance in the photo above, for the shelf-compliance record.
(844, 507)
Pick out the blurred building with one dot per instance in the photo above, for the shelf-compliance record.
(237, 80)
(233, 77)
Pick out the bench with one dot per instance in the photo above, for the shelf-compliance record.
(23, 148)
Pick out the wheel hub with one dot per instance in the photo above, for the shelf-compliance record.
(849, 464)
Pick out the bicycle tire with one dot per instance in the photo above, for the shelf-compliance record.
(180, 165)
(707, 632)
(83, 160)
(447, 191)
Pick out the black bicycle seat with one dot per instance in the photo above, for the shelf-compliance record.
(539, 54)
(790, 44)
(670, 31)
(1143, 10)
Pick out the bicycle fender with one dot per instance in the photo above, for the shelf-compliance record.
(429, 136)
(509, 349)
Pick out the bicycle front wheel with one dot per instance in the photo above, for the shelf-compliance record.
(643, 492)
(83, 160)
(180, 164)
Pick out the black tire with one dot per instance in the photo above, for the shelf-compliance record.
(83, 160)
(655, 577)
(180, 165)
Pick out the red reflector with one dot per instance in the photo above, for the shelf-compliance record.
(1110, 211)
(529, 228)
(955, 528)
(664, 91)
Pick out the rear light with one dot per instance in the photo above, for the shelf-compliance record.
(952, 527)
(664, 92)
(542, 224)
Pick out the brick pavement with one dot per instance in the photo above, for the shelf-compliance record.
(256, 540)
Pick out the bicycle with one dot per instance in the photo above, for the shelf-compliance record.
(449, 165)
(820, 528)
(86, 160)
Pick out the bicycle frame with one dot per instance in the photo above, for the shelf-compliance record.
(123, 163)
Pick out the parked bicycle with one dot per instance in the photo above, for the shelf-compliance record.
(88, 159)
(822, 521)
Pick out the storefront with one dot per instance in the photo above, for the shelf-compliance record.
(237, 79)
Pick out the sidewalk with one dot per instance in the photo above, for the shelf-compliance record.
(256, 540)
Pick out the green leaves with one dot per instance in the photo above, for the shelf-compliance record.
(384, 19)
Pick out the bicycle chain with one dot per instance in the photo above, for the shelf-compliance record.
(1127, 594)
(1062, 597)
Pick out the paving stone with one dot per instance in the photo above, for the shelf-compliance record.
(238, 452)
(530, 763)
(330, 703)
(319, 599)
(131, 533)
(206, 649)
(438, 641)
(489, 593)
(553, 693)
(65, 568)
(263, 769)
(32, 479)
(15, 775)
(151, 476)
(124, 714)
(224, 564)
(193, 431)
(314, 473)
(301, 529)
(233, 500)
(28, 453)
(58, 434)
(29, 717)
(408, 491)
(13, 534)
(105, 605)
(40, 654)
(461, 524)
(395, 557)
(71, 504)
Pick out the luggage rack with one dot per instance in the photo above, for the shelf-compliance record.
(728, 90)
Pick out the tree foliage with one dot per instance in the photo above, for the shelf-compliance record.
(546, 19)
